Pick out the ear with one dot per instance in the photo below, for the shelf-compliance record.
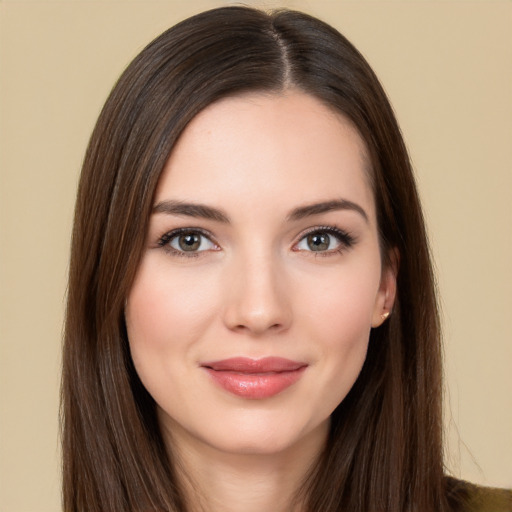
(387, 289)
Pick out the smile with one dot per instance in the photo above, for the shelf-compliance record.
(255, 379)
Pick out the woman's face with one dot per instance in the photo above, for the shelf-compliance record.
(250, 314)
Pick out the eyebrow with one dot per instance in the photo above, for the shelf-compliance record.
(191, 210)
(326, 206)
(173, 207)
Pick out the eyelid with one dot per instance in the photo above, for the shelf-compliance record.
(346, 240)
(163, 241)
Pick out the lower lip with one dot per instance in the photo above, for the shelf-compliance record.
(256, 386)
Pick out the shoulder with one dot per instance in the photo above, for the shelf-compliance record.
(487, 499)
(467, 497)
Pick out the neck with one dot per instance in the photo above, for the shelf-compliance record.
(216, 481)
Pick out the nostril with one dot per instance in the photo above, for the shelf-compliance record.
(258, 327)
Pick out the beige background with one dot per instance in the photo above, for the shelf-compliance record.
(447, 66)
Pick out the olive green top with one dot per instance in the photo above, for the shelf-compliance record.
(468, 497)
(485, 499)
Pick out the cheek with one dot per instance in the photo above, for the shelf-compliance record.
(342, 304)
(166, 313)
(338, 318)
(162, 303)
(346, 331)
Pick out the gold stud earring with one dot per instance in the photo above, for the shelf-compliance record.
(385, 316)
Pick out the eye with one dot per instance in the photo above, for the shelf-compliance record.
(328, 239)
(182, 241)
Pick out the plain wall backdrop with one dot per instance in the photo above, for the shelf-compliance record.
(447, 67)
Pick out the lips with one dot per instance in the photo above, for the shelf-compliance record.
(255, 379)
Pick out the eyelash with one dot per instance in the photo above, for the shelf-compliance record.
(164, 241)
(345, 239)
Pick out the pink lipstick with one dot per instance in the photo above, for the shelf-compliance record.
(255, 378)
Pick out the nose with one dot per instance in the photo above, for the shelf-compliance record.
(258, 297)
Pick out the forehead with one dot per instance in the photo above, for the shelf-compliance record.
(259, 147)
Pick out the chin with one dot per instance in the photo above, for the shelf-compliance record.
(262, 444)
(254, 436)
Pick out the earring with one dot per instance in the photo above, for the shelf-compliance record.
(385, 316)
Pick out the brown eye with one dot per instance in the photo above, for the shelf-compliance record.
(318, 241)
(328, 240)
(189, 242)
(185, 241)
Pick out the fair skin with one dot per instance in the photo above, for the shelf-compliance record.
(255, 273)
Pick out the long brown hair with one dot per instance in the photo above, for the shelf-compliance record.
(384, 451)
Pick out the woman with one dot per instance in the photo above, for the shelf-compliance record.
(252, 318)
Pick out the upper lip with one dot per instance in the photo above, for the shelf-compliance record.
(249, 365)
